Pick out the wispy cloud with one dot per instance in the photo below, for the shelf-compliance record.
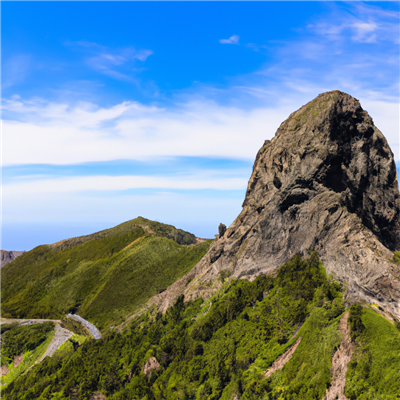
(15, 70)
(121, 183)
(363, 23)
(120, 63)
(234, 39)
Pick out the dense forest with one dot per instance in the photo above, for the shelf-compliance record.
(222, 347)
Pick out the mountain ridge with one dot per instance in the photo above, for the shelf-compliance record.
(327, 181)
(105, 275)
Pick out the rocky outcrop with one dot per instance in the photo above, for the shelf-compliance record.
(151, 365)
(221, 230)
(326, 182)
(8, 256)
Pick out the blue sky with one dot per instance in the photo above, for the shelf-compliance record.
(117, 109)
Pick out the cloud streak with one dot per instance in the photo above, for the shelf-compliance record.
(110, 61)
(234, 39)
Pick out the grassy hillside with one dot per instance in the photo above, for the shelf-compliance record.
(217, 349)
(104, 276)
(374, 372)
(28, 341)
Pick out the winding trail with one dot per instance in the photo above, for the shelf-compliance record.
(92, 329)
(61, 335)
(30, 321)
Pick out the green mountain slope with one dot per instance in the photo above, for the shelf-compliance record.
(105, 276)
(221, 348)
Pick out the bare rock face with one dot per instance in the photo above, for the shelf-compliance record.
(151, 365)
(221, 230)
(327, 182)
(8, 256)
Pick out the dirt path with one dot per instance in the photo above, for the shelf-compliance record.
(61, 335)
(27, 321)
(283, 359)
(92, 329)
(339, 363)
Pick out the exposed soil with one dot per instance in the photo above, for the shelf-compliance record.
(18, 360)
(4, 370)
(283, 359)
(98, 396)
(339, 363)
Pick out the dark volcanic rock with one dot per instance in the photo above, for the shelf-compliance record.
(326, 182)
(221, 230)
(8, 256)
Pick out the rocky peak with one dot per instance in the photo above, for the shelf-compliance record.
(330, 145)
(327, 182)
(7, 256)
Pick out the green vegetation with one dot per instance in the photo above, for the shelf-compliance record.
(75, 327)
(374, 372)
(217, 349)
(355, 321)
(396, 257)
(68, 347)
(17, 340)
(28, 341)
(105, 277)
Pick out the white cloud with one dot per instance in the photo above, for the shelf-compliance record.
(234, 39)
(107, 61)
(52, 133)
(364, 31)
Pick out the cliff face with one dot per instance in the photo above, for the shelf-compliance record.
(8, 256)
(326, 182)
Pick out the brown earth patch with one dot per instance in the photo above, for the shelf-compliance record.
(283, 359)
(152, 364)
(4, 370)
(340, 360)
(18, 360)
(131, 244)
(98, 396)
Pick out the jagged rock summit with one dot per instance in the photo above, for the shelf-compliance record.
(8, 256)
(326, 182)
